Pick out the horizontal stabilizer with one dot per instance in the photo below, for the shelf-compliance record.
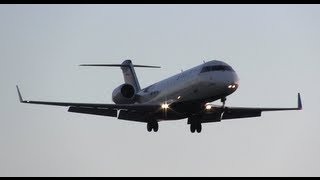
(120, 65)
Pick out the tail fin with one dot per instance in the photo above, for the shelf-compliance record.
(129, 75)
(128, 71)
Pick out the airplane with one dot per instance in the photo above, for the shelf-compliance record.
(186, 95)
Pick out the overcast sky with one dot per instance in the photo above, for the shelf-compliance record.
(275, 50)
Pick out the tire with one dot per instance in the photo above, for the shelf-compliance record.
(192, 128)
(155, 127)
(149, 127)
(199, 128)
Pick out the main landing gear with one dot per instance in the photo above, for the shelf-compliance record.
(195, 127)
(195, 124)
(153, 125)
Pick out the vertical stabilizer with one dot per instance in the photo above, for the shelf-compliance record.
(129, 75)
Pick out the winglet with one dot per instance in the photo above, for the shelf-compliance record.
(299, 102)
(20, 97)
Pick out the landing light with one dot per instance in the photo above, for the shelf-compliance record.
(165, 106)
(208, 107)
(232, 86)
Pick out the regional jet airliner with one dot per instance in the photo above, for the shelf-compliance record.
(187, 95)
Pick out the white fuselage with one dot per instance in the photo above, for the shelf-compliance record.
(194, 84)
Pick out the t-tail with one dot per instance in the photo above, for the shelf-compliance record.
(128, 71)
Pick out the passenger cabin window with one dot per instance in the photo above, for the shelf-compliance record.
(216, 68)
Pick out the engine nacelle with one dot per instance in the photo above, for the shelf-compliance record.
(124, 94)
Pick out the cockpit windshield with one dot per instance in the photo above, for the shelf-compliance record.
(216, 68)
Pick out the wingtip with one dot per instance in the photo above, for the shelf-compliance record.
(20, 97)
(299, 102)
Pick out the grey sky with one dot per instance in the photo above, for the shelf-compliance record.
(275, 50)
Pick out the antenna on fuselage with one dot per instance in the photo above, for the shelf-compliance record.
(204, 61)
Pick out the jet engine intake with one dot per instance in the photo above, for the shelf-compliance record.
(124, 94)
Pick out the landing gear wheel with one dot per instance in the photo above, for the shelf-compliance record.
(155, 126)
(192, 128)
(199, 128)
(152, 125)
(149, 127)
(195, 123)
(196, 127)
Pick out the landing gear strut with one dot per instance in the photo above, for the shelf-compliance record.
(223, 100)
(153, 125)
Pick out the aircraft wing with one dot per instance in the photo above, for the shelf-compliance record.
(97, 109)
(218, 113)
(138, 111)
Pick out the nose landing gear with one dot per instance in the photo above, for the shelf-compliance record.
(223, 100)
